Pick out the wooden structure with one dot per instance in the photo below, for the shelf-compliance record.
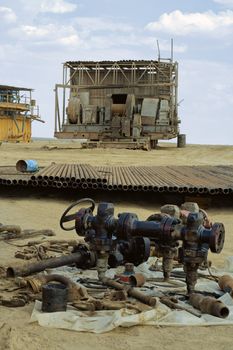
(17, 111)
(121, 101)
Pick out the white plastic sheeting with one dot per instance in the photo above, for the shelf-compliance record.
(161, 315)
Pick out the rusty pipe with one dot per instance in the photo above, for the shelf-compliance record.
(137, 280)
(43, 172)
(84, 185)
(29, 269)
(36, 283)
(146, 299)
(192, 189)
(94, 186)
(209, 305)
(213, 191)
(74, 185)
(161, 189)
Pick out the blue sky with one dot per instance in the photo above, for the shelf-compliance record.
(37, 36)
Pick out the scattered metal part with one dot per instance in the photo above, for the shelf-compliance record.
(146, 299)
(226, 284)
(137, 280)
(173, 303)
(23, 234)
(116, 295)
(93, 305)
(80, 257)
(10, 228)
(75, 292)
(33, 252)
(13, 302)
(54, 297)
(209, 305)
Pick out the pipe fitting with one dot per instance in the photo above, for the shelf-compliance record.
(209, 305)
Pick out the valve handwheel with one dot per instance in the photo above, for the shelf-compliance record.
(71, 217)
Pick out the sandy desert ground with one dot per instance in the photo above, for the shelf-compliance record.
(42, 210)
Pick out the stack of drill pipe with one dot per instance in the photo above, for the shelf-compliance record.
(218, 175)
(192, 179)
(68, 175)
(198, 177)
(210, 182)
(152, 179)
(175, 183)
(142, 178)
(134, 179)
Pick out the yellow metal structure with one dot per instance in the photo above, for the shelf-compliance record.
(17, 111)
(15, 130)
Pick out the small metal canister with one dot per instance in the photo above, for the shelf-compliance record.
(54, 297)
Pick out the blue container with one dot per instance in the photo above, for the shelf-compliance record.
(29, 166)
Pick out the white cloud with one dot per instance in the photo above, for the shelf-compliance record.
(57, 6)
(227, 3)
(43, 33)
(180, 23)
(7, 15)
(70, 40)
(34, 31)
(101, 24)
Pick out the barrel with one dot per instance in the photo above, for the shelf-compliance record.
(181, 140)
(28, 165)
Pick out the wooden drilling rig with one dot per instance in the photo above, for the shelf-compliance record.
(122, 104)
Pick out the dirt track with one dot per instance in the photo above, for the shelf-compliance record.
(40, 210)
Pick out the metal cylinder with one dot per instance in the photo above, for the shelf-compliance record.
(137, 280)
(181, 140)
(209, 305)
(54, 297)
(29, 269)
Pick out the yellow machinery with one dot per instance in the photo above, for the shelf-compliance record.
(17, 111)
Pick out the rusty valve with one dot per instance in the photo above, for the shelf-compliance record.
(129, 237)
